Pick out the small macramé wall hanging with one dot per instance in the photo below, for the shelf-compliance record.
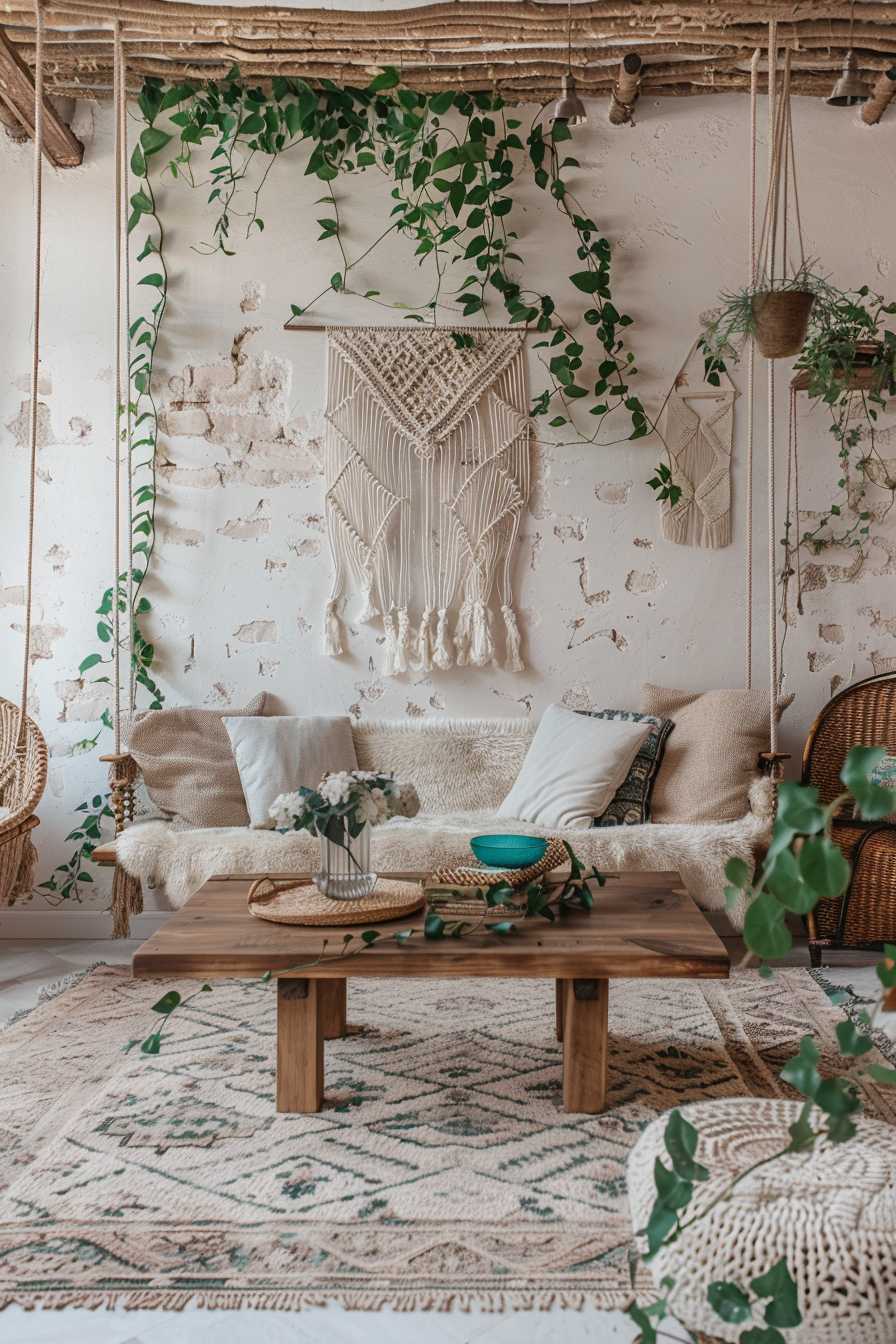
(698, 432)
(427, 475)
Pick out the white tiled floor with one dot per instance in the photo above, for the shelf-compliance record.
(27, 965)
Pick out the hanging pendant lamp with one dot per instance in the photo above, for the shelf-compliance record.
(850, 87)
(569, 106)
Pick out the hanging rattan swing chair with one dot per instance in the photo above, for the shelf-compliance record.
(18, 799)
(23, 751)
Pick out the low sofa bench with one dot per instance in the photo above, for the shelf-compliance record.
(462, 770)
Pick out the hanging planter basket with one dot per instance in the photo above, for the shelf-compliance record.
(781, 321)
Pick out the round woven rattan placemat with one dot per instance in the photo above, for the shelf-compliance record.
(302, 903)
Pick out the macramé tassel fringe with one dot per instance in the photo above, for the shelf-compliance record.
(391, 668)
(441, 655)
(514, 662)
(332, 629)
(424, 643)
(462, 632)
(482, 650)
(403, 644)
(127, 900)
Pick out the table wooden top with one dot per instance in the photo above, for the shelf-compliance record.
(643, 924)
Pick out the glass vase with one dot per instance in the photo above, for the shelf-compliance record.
(345, 870)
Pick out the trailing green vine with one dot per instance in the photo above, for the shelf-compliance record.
(452, 159)
(140, 419)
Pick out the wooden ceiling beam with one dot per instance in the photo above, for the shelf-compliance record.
(60, 146)
(518, 46)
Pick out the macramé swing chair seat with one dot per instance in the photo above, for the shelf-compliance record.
(19, 796)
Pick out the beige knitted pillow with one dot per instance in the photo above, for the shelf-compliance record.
(710, 757)
(188, 763)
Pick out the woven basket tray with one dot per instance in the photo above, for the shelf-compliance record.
(302, 903)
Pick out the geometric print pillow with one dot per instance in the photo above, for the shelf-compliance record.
(630, 805)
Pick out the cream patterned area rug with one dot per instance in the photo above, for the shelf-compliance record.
(444, 1170)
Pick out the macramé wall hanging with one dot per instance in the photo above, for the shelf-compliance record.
(698, 431)
(427, 475)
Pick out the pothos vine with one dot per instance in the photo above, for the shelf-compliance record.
(453, 158)
(140, 435)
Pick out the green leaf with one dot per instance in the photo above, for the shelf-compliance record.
(836, 1097)
(872, 800)
(801, 1072)
(440, 102)
(433, 927)
(153, 1044)
(729, 1301)
(158, 281)
(90, 661)
(737, 871)
(507, 926)
(852, 1042)
(167, 1003)
(881, 1074)
(387, 79)
(783, 1310)
(336, 280)
(587, 281)
(802, 1135)
(764, 929)
(369, 936)
(681, 1144)
(786, 884)
(762, 1334)
(822, 865)
(152, 140)
(799, 807)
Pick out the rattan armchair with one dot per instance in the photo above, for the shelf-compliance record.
(21, 795)
(864, 715)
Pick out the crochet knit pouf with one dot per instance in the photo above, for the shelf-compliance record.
(830, 1212)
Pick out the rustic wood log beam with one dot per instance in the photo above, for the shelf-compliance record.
(60, 146)
(518, 46)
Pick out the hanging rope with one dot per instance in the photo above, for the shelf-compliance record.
(751, 375)
(121, 396)
(16, 758)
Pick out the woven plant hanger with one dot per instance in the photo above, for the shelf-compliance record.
(23, 752)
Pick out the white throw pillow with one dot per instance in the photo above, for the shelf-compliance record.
(279, 755)
(573, 768)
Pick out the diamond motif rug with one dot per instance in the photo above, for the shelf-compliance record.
(443, 1171)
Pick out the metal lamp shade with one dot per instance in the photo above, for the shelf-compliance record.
(569, 106)
(850, 87)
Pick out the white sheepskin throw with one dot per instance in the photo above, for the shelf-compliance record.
(181, 861)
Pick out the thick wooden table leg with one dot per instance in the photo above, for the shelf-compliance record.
(332, 997)
(561, 991)
(300, 1046)
(585, 1004)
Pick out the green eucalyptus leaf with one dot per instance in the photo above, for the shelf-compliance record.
(764, 930)
(881, 1074)
(783, 1309)
(823, 867)
(729, 1301)
(801, 1071)
(799, 807)
(681, 1140)
(852, 1042)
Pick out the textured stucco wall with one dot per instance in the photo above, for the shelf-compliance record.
(241, 569)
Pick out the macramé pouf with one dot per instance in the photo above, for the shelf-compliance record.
(831, 1212)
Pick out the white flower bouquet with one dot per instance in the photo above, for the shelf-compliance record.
(342, 805)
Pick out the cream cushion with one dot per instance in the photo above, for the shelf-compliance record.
(187, 764)
(711, 753)
(280, 755)
(573, 768)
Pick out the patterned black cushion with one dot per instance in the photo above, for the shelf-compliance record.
(630, 805)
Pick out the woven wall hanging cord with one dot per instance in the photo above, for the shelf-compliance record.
(427, 473)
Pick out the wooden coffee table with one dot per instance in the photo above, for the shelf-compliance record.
(642, 925)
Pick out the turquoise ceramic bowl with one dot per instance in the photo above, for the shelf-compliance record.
(508, 851)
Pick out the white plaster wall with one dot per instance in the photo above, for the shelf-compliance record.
(241, 568)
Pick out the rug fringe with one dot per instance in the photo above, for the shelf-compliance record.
(423, 1299)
